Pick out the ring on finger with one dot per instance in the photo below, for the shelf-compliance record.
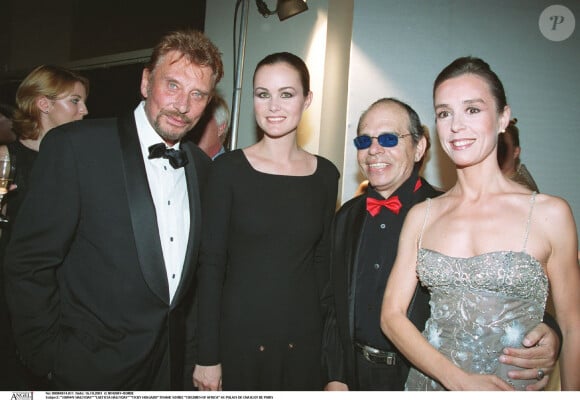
(540, 375)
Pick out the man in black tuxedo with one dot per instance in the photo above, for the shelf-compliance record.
(100, 268)
(391, 143)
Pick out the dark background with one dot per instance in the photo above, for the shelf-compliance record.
(78, 30)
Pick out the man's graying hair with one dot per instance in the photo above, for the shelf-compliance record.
(194, 46)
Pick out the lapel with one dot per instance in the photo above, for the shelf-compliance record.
(194, 225)
(359, 217)
(142, 210)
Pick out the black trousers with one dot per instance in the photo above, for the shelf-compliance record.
(371, 376)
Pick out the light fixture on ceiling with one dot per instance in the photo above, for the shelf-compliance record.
(284, 8)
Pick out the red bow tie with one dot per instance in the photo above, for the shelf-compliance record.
(392, 203)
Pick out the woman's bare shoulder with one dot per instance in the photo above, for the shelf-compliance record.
(553, 216)
(550, 205)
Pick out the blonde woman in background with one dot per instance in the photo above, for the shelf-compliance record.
(48, 97)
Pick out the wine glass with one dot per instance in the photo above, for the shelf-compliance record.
(7, 170)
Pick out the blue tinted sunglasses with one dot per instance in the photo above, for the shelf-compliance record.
(387, 139)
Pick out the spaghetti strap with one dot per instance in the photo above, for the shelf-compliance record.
(425, 221)
(532, 202)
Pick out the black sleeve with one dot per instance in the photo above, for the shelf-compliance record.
(333, 362)
(202, 167)
(40, 240)
(211, 272)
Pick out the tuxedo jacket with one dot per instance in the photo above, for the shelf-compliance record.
(86, 280)
(347, 232)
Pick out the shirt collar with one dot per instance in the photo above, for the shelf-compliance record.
(219, 153)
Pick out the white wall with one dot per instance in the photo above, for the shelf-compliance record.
(397, 49)
(303, 35)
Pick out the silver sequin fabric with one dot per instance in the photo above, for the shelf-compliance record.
(479, 305)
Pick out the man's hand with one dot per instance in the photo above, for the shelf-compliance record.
(336, 386)
(540, 351)
(208, 377)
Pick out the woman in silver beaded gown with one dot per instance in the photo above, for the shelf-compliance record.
(486, 251)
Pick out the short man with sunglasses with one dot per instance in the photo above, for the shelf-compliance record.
(390, 146)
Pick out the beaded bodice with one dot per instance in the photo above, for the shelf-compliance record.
(506, 273)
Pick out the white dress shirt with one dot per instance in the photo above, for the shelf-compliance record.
(169, 191)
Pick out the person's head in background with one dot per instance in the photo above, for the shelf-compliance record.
(389, 161)
(7, 135)
(508, 157)
(508, 149)
(214, 132)
(48, 97)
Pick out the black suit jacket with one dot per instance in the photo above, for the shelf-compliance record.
(86, 280)
(348, 225)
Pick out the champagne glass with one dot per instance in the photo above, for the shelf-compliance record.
(7, 170)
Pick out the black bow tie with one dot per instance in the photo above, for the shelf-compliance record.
(177, 158)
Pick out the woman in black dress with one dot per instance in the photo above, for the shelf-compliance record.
(264, 256)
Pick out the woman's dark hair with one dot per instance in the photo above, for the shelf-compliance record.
(475, 66)
(514, 133)
(291, 59)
